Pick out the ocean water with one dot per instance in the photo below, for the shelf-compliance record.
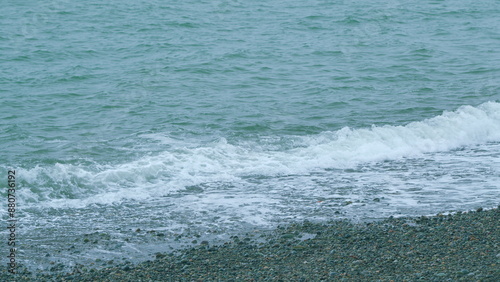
(140, 126)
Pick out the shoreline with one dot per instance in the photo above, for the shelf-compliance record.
(461, 246)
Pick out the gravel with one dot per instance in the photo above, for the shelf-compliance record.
(463, 246)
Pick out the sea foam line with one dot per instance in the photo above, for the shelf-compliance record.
(180, 167)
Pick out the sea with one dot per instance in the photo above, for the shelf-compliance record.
(136, 127)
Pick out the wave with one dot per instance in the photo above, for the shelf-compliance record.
(182, 166)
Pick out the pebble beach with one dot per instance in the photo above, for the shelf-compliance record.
(461, 246)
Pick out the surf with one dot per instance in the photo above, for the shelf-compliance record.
(184, 165)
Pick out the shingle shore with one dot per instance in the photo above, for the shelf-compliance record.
(458, 247)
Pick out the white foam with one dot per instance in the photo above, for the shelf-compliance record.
(182, 165)
(466, 126)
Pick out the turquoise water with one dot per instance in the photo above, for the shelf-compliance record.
(202, 119)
